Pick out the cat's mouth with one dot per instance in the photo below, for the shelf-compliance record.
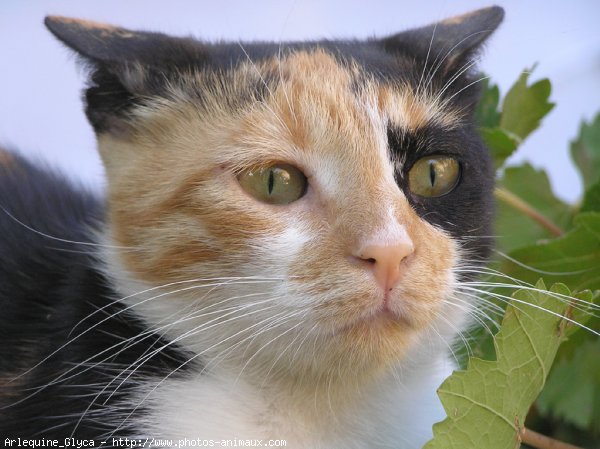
(379, 321)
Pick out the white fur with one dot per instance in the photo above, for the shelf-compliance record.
(390, 234)
(396, 410)
(395, 413)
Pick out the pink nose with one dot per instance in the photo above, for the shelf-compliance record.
(385, 259)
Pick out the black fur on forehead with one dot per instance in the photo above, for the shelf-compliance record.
(129, 67)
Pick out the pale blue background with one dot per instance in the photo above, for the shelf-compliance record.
(41, 113)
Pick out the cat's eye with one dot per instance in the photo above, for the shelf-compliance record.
(434, 176)
(274, 184)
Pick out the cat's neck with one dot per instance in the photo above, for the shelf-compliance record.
(335, 414)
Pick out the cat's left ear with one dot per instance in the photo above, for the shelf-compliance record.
(101, 43)
(448, 44)
(125, 67)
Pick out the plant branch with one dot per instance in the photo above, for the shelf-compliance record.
(517, 203)
(540, 441)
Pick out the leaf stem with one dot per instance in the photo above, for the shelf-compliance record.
(540, 441)
(517, 203)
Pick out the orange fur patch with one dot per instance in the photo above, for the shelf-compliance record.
(6, 158)
(411, 112)
(175, 200)
(105, 29)
(457, 20)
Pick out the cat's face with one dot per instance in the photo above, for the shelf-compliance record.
(305, 205)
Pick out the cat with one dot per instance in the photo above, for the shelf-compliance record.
(278, 252)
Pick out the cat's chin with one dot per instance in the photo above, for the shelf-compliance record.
(377, 339)
(379, 322)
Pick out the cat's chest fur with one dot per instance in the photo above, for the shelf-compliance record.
(392, 413)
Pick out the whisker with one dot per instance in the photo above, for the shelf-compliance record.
(58, 239)
(508, 300)
(573, 301)
(262, 79)
(109, 317)
(203, 312)
(449, 52)
(189, 360)
(536, 270)
(452, 80)
(141, 360)
(483, 78)
(270, 341)
(279, 69)
(492, 273)
(222, 354)
(171, 284)
(440, 316)
(303, 340)
(426, 60)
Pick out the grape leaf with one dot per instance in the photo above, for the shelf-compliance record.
(500, 142)
(591, 199)
(524, 106)
(522, 110)
(487, 403)
(573, 259)
(528, 220)
(585, 151)
(573, 394)
(515, 229)
(486, 113)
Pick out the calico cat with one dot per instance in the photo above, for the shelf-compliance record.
(279, 250)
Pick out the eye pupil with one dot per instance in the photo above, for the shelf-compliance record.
(432, 173)
(271, 181)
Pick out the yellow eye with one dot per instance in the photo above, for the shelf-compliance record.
(433, 176)
(274, 184)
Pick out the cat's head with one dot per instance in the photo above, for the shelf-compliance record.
(299, 204)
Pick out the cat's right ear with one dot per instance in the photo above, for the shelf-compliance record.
(126, 67)
(451, 43)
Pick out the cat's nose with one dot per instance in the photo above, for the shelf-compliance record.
(385, 257)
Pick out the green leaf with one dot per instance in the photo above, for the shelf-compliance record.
(486, 113)
(591, 199)
(487, 404)
(529, 219)
(514, 227)
(525, 106)
(572, 392)
(585, 151)
(573, 259)
(501, 144)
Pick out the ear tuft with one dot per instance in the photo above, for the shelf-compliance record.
(108, 44)
(103, 43)
(470, 30)
(452, 40)
(96, 41)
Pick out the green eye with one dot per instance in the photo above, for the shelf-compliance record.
(433, 176)
(274, 184)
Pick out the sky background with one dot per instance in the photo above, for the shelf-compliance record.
(40, 86)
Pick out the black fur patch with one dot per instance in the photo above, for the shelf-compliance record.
(467, 211)
(58, 348)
